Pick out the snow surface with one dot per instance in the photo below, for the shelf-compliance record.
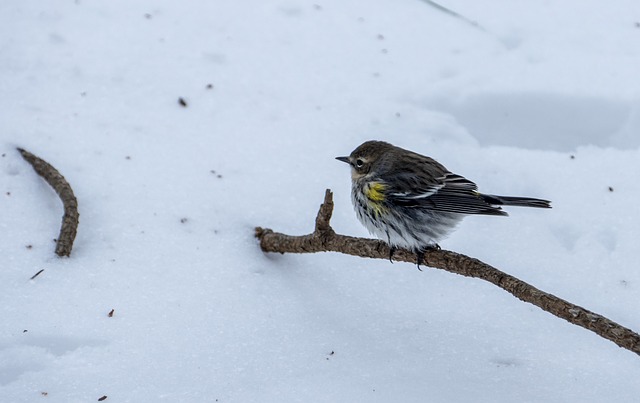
(539, 99)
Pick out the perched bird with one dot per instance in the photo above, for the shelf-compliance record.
(412, 201)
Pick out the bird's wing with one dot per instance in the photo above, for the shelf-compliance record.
(449, 193)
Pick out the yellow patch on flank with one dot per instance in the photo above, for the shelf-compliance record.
(375, 193)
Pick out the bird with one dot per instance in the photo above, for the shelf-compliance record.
(411, 201)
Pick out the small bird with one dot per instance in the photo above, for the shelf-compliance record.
(412, 201)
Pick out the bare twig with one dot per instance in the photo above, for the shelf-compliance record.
(63, 189)
(324, 239)
(37, 274)
(453, 14)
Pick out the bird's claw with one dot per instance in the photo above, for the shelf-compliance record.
(420, 253)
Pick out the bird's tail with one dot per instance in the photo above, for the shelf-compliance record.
(515, 201)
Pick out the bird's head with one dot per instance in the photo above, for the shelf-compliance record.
(363, 159)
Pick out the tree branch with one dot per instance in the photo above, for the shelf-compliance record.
(70, 219)
(324, 239)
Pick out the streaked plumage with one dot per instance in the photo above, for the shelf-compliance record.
(412, 201)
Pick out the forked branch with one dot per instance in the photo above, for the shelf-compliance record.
(324, 239)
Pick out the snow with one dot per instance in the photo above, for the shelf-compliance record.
(539, 99)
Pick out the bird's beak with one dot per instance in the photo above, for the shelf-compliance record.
(344, 159)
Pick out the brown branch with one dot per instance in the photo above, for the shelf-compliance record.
(70, 218)
(324, 239)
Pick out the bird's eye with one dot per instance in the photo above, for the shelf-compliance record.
(359, 163)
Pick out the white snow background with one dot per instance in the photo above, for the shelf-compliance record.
(538, 99)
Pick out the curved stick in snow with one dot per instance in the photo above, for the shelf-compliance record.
(71, 216)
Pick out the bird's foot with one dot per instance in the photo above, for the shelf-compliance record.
(419, 257)
(432, 247)
(420, 253)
